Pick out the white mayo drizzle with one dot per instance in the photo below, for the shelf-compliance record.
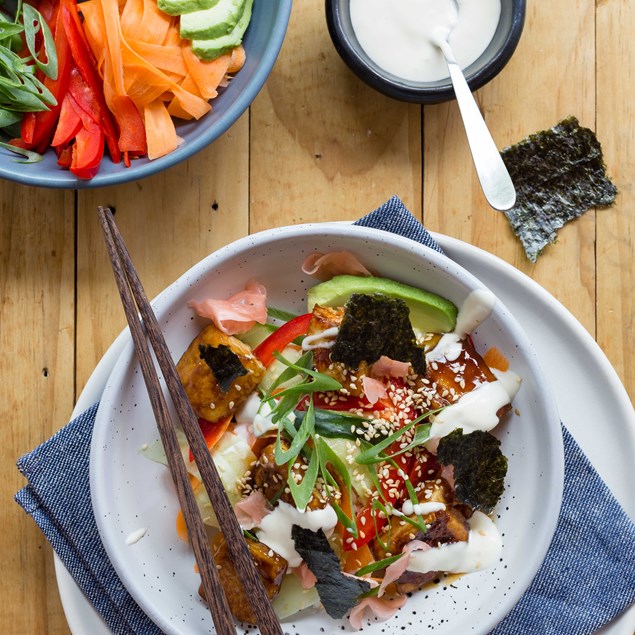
(510, 380)
(136, 536)
(421, 509)
(257, 413)
(476, 410)
(311, 342)
(481, 551)
(400, 35)
(448, 347)
(275, 528)
(475, 309)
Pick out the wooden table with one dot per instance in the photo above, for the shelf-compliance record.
(316, 145)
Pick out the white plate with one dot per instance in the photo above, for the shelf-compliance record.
(575, 361)
(130, 493)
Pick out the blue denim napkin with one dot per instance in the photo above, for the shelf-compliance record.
(586, 580)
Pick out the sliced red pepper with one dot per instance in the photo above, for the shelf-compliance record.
(345, 404)
(27, 128)
(277, 341)
(212, 431)
(88, 151)
(83, 99)
(132, 141)
(48, 10)
(64, 156)
(68, 125)
(83, 57)
(37, 128)
(392, 482)
(20, 143)
(391, 478)
(368, 521)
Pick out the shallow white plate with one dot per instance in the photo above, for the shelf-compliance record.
(130, 493)
(570, 359)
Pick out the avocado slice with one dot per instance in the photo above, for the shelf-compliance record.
(429, 313)
(179, 7)
(212, 23)
(210, 49)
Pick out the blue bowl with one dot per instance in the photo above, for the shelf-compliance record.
(262, 43)
(485, 68)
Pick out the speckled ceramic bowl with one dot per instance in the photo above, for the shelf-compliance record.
(262, 43)
(131, 493)
(484, 69)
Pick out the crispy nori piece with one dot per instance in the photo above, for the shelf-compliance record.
(479, 467)
(338, 592)
(223, 362)
(376, 325)
(558, 174)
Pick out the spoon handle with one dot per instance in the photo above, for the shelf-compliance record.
(492, 173)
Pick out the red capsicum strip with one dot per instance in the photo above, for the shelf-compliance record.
(212, 431)
(348, 404)
(83, 57)
(68, 125)
(391, 478)
(277, 341)
(88, 149)
(64, 156)
(369, 522)
(37, 128)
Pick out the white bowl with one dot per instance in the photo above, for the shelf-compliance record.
(129, 492)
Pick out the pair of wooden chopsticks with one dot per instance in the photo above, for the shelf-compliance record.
(134, 302)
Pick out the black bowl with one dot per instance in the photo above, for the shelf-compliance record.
(485, 68)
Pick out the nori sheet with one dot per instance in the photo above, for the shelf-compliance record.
(223, 362)
(375, 325)
(558, 174)
(479, 467)
(338, 592)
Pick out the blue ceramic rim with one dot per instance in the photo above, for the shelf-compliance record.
(63, 179)
(407, 92)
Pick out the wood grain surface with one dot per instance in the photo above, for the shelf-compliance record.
(316, 145)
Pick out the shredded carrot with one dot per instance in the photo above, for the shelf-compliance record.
(154, 24)
(164, 56)
(345, 503)
(160, 130)
(206, 75)
(173, 36)
(181, 528)
(237, 59)
(150, 75)
(354, 560)
(175, 109)
(131, 17)
(495, 359)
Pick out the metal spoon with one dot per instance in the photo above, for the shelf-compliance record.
(492, 173)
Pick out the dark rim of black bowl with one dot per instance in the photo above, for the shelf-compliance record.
(405, 92)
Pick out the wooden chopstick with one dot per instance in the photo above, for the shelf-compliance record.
(131, 292)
